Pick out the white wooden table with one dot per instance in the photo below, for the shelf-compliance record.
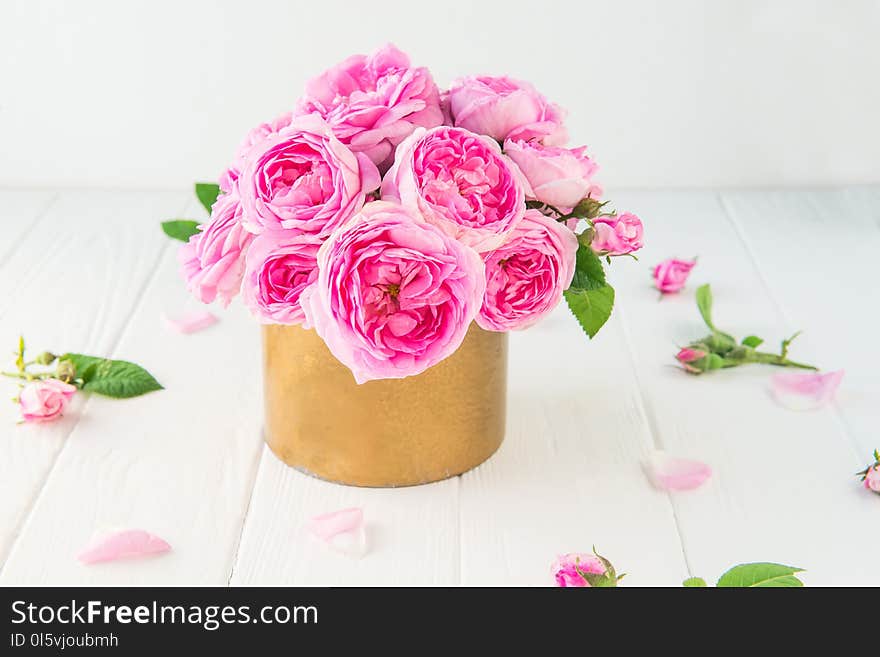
(90, 271)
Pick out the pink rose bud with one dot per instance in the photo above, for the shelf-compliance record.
(278, 267)
(213, 259)
(617, 235)
(525, 277)
(42, 401)
(689, 355)
(671, 275)
(872, 478)
(395, 294)
(461, 182)
(304, 180)
(374, 102)
(557, 176)
(579, 569)
(503, 109)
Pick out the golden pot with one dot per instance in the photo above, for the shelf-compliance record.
(392, 432)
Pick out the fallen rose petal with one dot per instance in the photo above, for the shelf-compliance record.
(341, 530)
(123, 544)
(672, 473)
(190, 322)
(805, 392)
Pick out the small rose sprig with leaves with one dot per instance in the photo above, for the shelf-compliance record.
(48, 382)
(720, 350)
(870, 476)
(589, 297)
(751, 575)
(585, 570)
(183, 229)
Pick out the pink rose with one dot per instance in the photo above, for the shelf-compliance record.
(42, 401)
(565, 569)
(372, 103)
(525, 277)
(395, 295)
(671, 275)
(213, 259)
(617, 235)
(459, 181)
(505, 109)
(305, 180)
(872, 478)
(278, 267)
(257, 135)
(557, 176)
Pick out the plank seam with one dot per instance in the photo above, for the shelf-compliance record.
(34, 223)
(653, 430)
(255, 469)
(781, 312)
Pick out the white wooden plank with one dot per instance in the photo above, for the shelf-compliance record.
(20, 211)
(569, 473)
(783, 488)
(818, 254)
(179, 462)
(70, 284)
(412, 533)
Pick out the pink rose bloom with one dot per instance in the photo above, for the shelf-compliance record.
(278, 267)
(373, 102)
(257, 135)
(618, 234)
(395, 295)
(213, 259)
(305, 180)
(42, 401)
(525, 277)
(671, 275)
(565, 569)
(505, 109)
(557, 176)
(872, 478)
(460, 182)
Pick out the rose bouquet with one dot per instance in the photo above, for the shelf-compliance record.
(389, 216)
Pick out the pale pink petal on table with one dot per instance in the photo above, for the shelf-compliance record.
(123, 544)
(341, 530)
(805, 391)
(190, 322)
(672, 473)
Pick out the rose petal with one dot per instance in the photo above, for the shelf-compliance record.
(805, 392)
(672, 473)
(123, 544)
(190, 322)
(342, 530)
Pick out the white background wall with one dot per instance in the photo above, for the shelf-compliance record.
(681, 93)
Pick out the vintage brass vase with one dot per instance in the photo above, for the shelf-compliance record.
(393, 432)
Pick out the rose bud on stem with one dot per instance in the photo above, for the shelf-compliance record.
(720, 350)
(870, 476)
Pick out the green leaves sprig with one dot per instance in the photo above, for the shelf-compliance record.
(183, 229)
(720, 350)
(589, 297)
(119, 379)
(761, 575)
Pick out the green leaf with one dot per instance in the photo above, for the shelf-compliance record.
(591, 308)
(112, 378)
(589, 297)
(588, 271)
(207, 194)
(752, 341)
(692, 582)
(704, 303)
(761, 575)
(180, 229)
